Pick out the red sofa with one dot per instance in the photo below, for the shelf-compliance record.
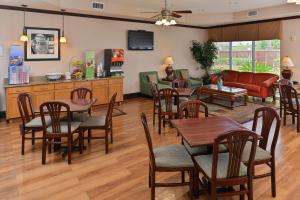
(258, 84)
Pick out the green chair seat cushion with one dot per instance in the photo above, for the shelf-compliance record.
(195, 82)
(162, 86)
(77, 117)
(201, 149)
(205, 163)
(94, 121)
(172, 156)
(152, 78)
(260, 154)
(64, 127)
(37, 122)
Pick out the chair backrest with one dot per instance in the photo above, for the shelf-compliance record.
(25, 107)
(284, 82)
(192, 108)
(179, 83)
(268, 117)
(81, 93)
(108, 119)
(55, 109)
(289, 98)
(154, 90)
(148, 137)
(167, 95)
(235, 142)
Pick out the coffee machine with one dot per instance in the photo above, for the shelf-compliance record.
(113, 62)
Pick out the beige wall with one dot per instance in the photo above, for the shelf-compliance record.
(290, 44)
(94, 34)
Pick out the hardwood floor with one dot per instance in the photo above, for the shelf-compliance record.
(123, 173)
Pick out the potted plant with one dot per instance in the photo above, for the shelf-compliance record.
(205, 54)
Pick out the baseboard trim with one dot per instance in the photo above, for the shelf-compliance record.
(132, 95)
(2, 115)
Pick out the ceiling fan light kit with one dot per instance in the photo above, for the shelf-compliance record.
(293, 1)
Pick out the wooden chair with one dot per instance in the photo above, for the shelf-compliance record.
(58, 129)
(290, 104)
(169, 158)
(225, 170)
(30, 123)
(167, 97)
(179, 83)
(192, 108)
(282, 82)
(154, 92)
(269, 118)
(81, 93)
(101, 123)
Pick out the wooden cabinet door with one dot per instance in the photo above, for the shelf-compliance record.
(12, 109)
(41, 97)
(101, 94)
(62, 94)
(118, 88)
(83, 84)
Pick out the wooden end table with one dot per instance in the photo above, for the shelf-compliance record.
(230, 93)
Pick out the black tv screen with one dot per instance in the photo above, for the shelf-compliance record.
(140, 40)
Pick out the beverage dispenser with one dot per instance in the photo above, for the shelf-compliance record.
(113, 61)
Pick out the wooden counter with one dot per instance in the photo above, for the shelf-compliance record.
(43, 90)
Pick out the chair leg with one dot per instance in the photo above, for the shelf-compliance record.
(263, 99)
(213, 192)
(81, 141)
(284, 116)
(191, 177)
(49, 146)
(70, 141)
(149, 177)
(89, 135)
(182, 176)
(111, 134)
(44, 148)
(273, 178)
(164, 121)
(250, 188)
(280, 110)
(32, 137)
(242, 196)
(293, 118)
(159, 123)
(152, 184)
(22, 132)
(106, 141)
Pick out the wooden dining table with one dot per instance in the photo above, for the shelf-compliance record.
(78, 105)
(185, 92)
(203, 131)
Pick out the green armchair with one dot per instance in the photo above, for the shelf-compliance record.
(146, 77)
(184, 74)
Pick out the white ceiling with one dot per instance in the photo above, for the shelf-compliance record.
(205, 12)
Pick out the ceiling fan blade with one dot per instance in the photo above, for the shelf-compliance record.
(176, 15)
(183, 11)
(155, 16)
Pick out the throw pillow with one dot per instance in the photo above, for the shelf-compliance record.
(152, 78)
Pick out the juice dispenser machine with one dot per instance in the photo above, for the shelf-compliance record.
(113, 61)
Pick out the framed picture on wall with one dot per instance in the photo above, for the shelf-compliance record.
(43, 44)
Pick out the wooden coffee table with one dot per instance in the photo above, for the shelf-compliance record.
(230, 93)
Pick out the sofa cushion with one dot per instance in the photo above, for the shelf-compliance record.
(152, 78)
(259, 78)
(245, 77)
(249, 87)
(230, 75)
(185, 74)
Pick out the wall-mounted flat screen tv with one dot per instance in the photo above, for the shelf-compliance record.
(140, 40)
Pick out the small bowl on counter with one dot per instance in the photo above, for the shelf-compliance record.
(54, 76)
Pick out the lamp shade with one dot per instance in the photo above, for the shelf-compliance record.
(287, 62)
(169, 60)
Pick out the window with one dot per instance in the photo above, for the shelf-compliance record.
(249, 56)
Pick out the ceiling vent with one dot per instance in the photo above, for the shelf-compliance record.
(97, 5)
(252, 13)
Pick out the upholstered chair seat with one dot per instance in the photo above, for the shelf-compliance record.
(93, 121)
(37, 122)
(64, 127)
(260, 154)
(205, 161)
(172, 156)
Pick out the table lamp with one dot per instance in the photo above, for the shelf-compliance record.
(287, 63)
(169, 69)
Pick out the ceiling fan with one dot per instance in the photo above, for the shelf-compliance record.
(293, 1)
(167, 17)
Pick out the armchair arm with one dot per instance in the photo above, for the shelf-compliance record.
(164, 82)
(269, 82)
